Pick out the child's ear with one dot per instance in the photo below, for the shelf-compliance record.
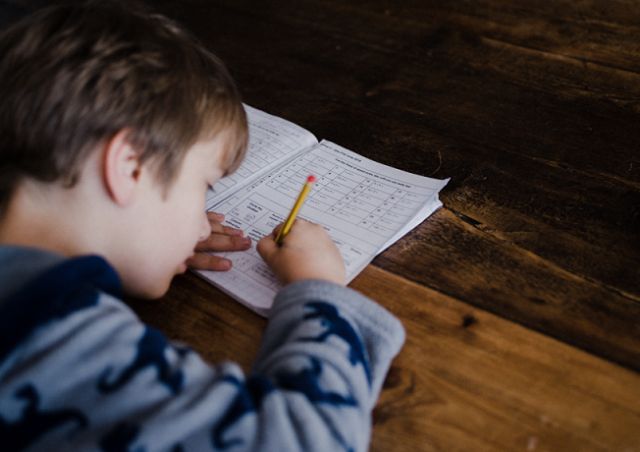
(121, 168)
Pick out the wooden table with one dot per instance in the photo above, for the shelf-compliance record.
(521, 297)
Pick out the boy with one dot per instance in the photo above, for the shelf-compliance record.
(113, 123)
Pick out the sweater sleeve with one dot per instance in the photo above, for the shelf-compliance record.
(99, 379)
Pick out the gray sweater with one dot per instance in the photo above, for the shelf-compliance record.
(79, 370)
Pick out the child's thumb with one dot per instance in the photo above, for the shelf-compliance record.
(267, 247)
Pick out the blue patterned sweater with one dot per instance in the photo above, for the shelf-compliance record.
(79, 371)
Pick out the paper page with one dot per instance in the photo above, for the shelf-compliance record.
(272, 140)
(364, 205)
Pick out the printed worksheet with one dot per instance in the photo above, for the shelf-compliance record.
(365, 207)
(272, 141)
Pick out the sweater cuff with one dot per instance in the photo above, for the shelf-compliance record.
(368, 314)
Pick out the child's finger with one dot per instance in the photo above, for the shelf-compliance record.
(215, 216)
(206, 261)
(217, 228)
(232, 231)
(267, 247)
(215, 221)
(224, 242)
(276, 230)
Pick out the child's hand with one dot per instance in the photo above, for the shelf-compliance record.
(307, 252)
(222, 238)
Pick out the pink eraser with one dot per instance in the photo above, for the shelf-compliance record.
(311, 179)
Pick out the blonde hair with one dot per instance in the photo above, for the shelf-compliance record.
(73, 76)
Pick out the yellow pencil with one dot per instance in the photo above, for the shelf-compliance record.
(286, 227)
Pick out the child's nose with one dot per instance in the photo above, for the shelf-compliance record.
(205, 230)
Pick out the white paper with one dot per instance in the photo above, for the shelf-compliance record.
(365, 207)
(272, 141)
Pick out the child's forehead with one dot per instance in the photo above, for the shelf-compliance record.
(233, 144)
(210, 153)
(219, 152)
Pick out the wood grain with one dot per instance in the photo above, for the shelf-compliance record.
(465, 379)
(522, 296)
(530, 108)
(469, 380)
(502, 277)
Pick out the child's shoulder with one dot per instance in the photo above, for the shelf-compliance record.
(20, 264)
(38, 287)
(33, 270)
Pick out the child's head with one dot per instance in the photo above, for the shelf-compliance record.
(77, 81)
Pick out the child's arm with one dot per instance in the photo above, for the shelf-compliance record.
(324, 355)
(121, 385)
(326, 342)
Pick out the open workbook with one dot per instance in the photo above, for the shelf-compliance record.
(365, 206)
